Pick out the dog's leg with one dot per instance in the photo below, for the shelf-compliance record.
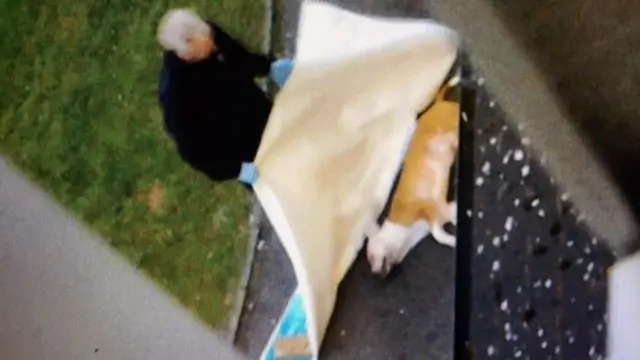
(384, 248)
(453, 212)
(418, 231)
(445, 214)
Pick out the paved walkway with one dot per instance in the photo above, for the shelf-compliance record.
(64, 294)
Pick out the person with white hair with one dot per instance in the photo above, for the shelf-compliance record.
(212, 107)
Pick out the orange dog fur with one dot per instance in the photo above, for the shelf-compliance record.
(420, 201)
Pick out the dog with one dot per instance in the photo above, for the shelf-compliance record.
(419, 204)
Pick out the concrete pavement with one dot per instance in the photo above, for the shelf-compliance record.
(64, 294)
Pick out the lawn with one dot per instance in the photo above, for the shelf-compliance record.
(79, 115)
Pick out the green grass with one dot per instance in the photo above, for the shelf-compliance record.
(79, 115)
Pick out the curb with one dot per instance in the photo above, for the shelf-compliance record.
(255, 218)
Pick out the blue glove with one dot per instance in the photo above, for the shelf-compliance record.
(248, 173)
(280, 71)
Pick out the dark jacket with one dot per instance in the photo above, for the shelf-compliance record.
(213, 110)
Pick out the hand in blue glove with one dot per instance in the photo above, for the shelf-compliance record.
(248, 173)
(280, 71)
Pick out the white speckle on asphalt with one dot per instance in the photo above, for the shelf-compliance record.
(464, 116)
(480, 249)
(480, 81)
(469, 213)
(496, 241)
(525, 170)
(496, 266)
(492, 103)
(508, 224)
(548, 283)
(504, 306)
(493, 141)
(518, 155)
(541, 213)
(491, 350)
(479, 181)
(505, 158)
(535, 202)
(486, 168)
(516, 202)
(526, 141)
(260, 245)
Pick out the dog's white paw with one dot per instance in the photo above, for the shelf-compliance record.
(383, 250)
(379, 256)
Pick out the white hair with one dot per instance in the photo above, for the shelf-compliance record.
(177, 26)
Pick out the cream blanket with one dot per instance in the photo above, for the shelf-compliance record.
(335, 138)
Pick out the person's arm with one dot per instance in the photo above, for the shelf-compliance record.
(165, 97)
(250, 63)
